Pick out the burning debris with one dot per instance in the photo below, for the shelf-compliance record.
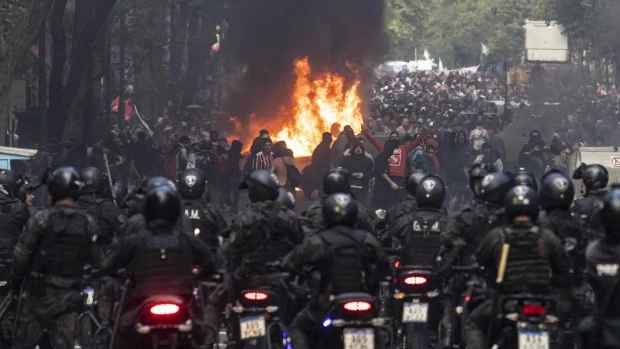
(300, 68)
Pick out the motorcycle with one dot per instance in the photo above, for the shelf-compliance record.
(260, 313)
(352, 322)
(165, 321)
(417, 297)
(528, 319)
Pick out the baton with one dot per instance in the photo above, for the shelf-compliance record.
(107, 169)
(501, 270)
(6, 303)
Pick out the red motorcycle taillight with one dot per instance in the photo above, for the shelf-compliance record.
(533, 310)
(255, 296)
(164, 309)
(357, 306)
(397, 264)
(415, 280)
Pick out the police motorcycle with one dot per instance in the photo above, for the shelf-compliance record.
(261, 310)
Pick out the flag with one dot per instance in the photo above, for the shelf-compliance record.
(440, 67)
(128, 109)
(484, 49)
(148, 129)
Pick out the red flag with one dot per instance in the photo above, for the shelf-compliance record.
(128, 108)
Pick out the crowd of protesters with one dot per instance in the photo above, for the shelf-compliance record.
(439, 123)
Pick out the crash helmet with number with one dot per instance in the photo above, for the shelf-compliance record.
(339, 209)
(262, 185)
(431, 192)
(556, 190)
(337, 180)
(476, 173)
(413, 180)
(494, 187)
(522, 200)
(192, 183)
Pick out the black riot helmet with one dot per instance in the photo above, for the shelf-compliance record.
(610, 214)
(337, 180)
(556, 190)
(154, 182)
(593, 176)
(494, 187)
(286, 199)
(30, 184)
(431, 192)
(262, 185)
(64, 183)
(521, 200)
(523, 177)
(476, 173)
(413, 180)
(10, 182)
(93, 181)
(162, 203)
(192, 184)
(339, 209)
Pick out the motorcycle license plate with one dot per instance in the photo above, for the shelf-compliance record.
(359, 338)
(533, 339)
(252, 327)
(415, 312)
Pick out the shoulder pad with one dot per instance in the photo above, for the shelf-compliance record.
(41, 218)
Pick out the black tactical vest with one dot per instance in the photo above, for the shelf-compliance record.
(269, 238)
(103, 228)
(527, 266)
(195, 213)
(485, 219)
(421, 239)
(163, 265)
(65, 245)
(347, 268)
(12, 220)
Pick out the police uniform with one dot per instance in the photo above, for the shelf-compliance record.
(50, 257)
(314, 217)
(344, 260)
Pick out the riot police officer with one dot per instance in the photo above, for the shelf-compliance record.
(49, 261)
(398, 216)
(343, 258)
(536, 261)
(259, 238)
(159, 258)
(337, 180)
(133, 207)
(205, 219)
(108, 217)
(286, 199)
(466, 230)
(594, 178)
(14, 215)
(603, 264)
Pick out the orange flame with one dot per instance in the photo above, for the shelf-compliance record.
(319, 104)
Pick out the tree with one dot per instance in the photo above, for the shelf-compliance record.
(19, 27)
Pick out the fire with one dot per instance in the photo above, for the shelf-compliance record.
(319, 104)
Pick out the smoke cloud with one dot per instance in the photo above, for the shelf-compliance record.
(264, 37)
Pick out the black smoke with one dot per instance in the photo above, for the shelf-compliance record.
(264, 37)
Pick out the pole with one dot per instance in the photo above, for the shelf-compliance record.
(121, 94)
(505, 87)
(42, 87)
(107, 169)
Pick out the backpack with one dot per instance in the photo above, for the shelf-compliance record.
(293, 176)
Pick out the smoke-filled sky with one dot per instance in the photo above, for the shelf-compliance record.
(265, 36)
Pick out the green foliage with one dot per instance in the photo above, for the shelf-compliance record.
(10, 15)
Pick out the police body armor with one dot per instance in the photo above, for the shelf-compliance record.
(65, 246)
(195, 213)
(398, 218)
(269, 241)
(527, 266)
(347, 269)
(587, 210)
(163, 265)
(94, 206)
(421, 240)
(12, 221)
(485, 219)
